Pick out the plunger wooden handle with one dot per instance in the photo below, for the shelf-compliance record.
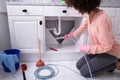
(39, 46)
(40, 62)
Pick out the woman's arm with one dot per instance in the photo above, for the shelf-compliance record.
(82, 27)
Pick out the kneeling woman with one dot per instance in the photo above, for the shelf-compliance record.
(104, 51)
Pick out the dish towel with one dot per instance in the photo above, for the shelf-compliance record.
(9, 60)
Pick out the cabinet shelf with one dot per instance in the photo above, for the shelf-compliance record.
(62, 48)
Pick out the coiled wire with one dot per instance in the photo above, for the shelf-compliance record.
(46, 67)
(52, 71)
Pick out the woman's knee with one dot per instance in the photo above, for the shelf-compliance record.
(82, 60)
(79, 64)
(85, 73)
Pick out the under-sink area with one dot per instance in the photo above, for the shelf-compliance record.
(55, 30)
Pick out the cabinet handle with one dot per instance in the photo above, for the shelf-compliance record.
(64, 11)
(40, 22)
(24, 10)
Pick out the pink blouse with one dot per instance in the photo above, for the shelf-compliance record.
(100, 32)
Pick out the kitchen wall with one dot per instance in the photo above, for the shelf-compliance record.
(4, 30)
(110, 3)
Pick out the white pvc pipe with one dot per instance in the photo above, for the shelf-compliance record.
(59, 27)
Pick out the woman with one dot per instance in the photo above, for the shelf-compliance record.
(104, 51)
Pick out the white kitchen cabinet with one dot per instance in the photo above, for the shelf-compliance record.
(25, 28)
(29, 23)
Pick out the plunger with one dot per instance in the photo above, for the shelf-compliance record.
(40, 62)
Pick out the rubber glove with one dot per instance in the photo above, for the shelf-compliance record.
(84, 48)
(68, 36)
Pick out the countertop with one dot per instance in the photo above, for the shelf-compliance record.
(104, 3)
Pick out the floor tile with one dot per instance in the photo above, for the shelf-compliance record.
(64, 72)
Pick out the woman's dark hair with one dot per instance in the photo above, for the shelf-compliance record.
(83, 6)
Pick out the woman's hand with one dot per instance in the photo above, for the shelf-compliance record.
(84, 48)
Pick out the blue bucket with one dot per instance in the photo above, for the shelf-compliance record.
(12, 51)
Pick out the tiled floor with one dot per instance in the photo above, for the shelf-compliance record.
(64, 74)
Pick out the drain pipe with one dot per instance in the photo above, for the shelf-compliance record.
(58, 32)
